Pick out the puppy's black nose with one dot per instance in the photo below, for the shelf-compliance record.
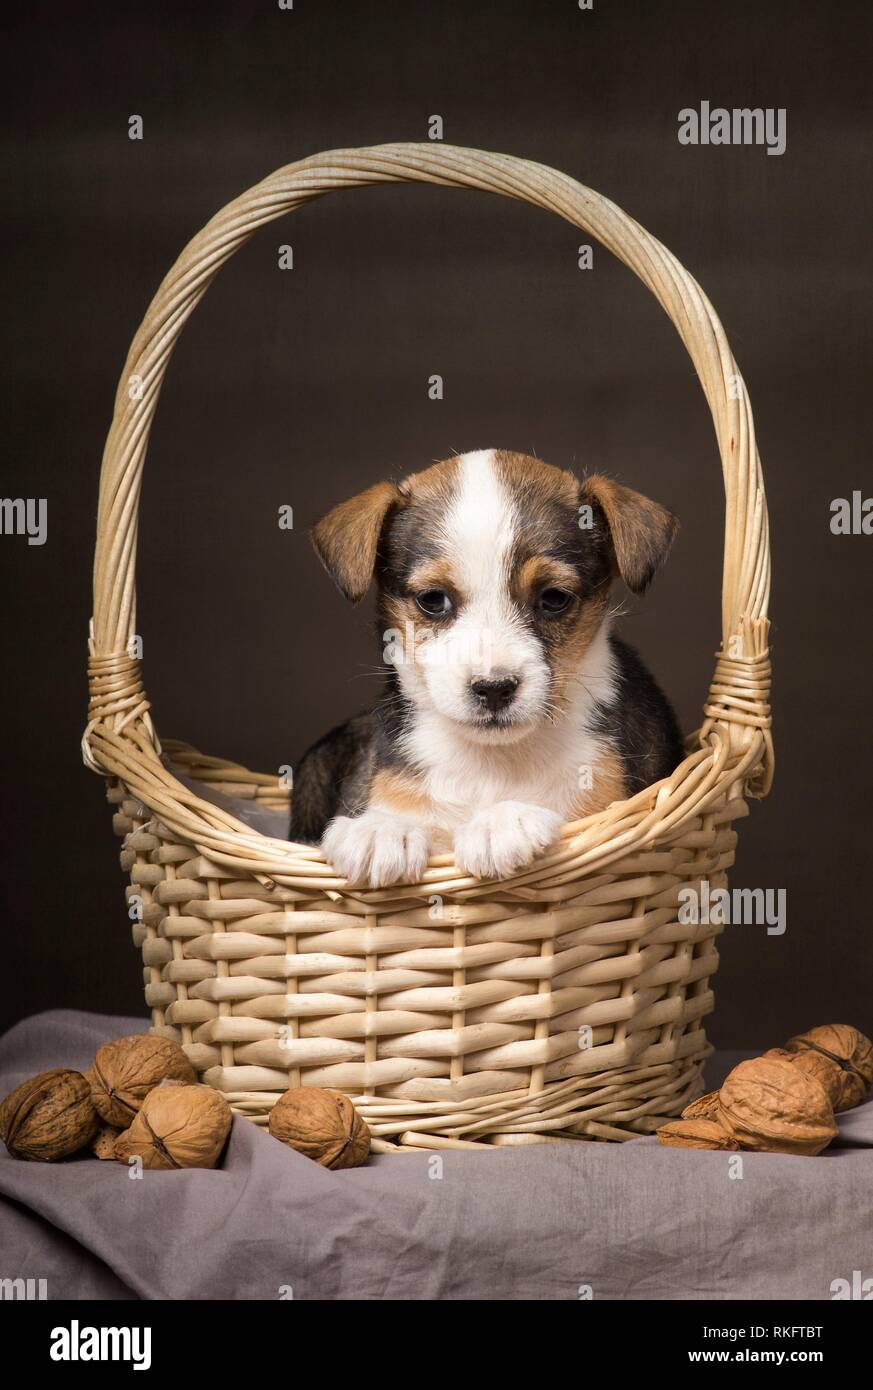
(496, 693)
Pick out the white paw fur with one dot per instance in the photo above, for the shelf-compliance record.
(504, 838)
(376, 848)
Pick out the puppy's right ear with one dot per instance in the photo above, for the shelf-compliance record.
(347, 539)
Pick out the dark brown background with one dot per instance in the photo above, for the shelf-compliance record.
(301, 387)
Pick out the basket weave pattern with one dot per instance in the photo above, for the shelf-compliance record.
(563, 1003)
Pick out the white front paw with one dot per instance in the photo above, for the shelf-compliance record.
(376, 848)
(504, 838)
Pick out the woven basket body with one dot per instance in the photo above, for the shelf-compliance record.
(564, 1003)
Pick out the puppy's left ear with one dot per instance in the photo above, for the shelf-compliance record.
(641, 531)
(347, 539)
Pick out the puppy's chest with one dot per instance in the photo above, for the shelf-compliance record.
(571, 777)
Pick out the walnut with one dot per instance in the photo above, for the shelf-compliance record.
(126, 1070)
(842, 1059)
(103, 1143)
(827, 1073)
(701, 1133)
(323, 1125)
(704, 1108)
(771, 1106)
(49, 1117)
(177, 1126)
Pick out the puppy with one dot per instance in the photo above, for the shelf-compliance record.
(509, 705)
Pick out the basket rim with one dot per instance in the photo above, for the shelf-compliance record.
(735, 743)
(709, 777)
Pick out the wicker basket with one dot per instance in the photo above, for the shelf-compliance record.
(563, 1003)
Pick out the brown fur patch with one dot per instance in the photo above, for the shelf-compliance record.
(542, 572)
(403, 616)
(348, 537)
(395, 611)
(608, 785)
(529, 475)
(434, 484)
(566, 654)
(642, 531)
(433, 574)
(398, 791)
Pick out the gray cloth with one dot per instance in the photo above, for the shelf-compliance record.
(631, 1221)
(274, 824)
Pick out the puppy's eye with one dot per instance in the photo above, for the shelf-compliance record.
(435, 603)
(554, 601)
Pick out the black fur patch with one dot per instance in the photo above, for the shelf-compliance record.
(640, 724)
(333, 778)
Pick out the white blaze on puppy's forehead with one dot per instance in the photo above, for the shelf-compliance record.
(479, 532)
(480, 526)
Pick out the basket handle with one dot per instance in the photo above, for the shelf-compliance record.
(739, 694)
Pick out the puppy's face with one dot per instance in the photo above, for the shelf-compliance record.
(494, 571)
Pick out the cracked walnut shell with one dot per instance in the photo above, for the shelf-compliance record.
(102, 1146)
(700, 1133)
(704, 1108)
